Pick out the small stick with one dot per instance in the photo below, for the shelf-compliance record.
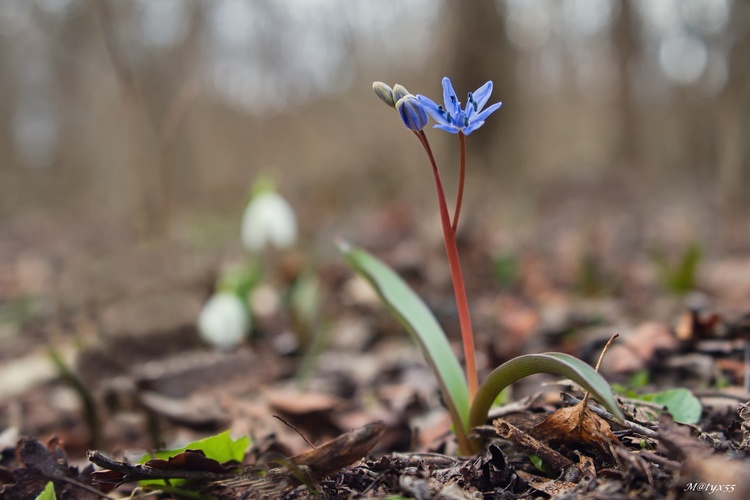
(84, 486)
(558, 462)
(138, 471)
(604, 351)
(747, 366)
(659, 460)
(598, 364)
(295, 430)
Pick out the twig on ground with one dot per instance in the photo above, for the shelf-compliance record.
(135, 472)
(559, 463)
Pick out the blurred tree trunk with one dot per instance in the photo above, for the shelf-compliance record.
(626, 49)
(733, 148)
(477, 51)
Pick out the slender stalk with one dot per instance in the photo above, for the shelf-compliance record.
(462, 176)
(456, 275)
(598, 364)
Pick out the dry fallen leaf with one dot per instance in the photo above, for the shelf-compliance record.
(342, 451)
(552, 487)
(577, 425)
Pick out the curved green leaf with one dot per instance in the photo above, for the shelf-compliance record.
(421, 324)
(555, 363)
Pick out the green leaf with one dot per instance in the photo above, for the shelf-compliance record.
(220, 447)
(681, 403)
(421, 324)
(48, 493)
(639, 379)
(240, 279)
(506, 267)
(541, 465)
(555, 363)
(680, 277)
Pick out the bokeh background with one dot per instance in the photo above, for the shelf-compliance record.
(132, 121)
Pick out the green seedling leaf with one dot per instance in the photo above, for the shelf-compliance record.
(592, 278)
(684, 276)
(421, 324)
(639, 379)
(505, 267)
(537, 461)
(220, 447)
(48, 493)
(555, 363)
(679, 278)
(240, 279)
(681, 403)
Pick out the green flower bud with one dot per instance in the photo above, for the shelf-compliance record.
(385, 93)
(399, 92)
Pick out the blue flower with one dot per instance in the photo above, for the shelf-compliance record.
(412, 113)
(452, 118)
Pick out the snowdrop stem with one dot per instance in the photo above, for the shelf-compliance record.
(454, 264)
(462, 177)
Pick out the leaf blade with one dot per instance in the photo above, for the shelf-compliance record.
(422, 326)
(555, 363)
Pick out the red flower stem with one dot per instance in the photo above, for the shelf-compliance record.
(462, 176)
(456, 275)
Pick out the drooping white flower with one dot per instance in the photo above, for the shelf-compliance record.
(224, 321)
(268, 221)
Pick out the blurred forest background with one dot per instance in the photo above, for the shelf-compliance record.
(131, 132)
(143, 120)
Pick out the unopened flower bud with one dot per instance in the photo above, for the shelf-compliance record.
(412, 113)
(385, 93)
(399, 92)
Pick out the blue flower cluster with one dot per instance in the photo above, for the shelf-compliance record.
(451, 118)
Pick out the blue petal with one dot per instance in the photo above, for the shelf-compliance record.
(433, 109)
(412, 113)
(448, 128)
(482, 95)
(487, 112)
(449, 97)
(473, 126)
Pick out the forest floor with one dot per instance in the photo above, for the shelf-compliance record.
(346, 407)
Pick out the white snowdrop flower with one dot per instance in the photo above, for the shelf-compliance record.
(268, 220)
(224, 321)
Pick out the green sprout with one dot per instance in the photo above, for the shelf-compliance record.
(678, 277)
